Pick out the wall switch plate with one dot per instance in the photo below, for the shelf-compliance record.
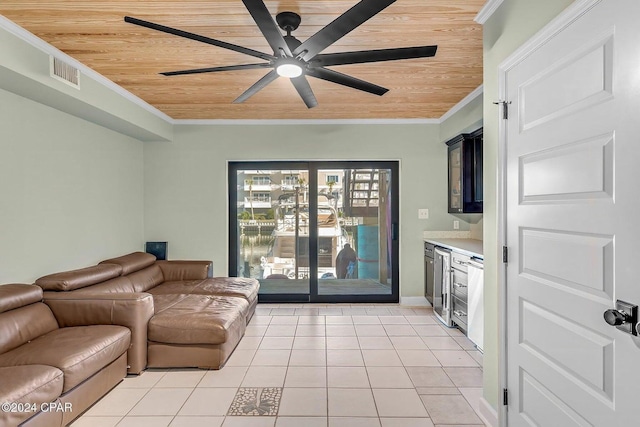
(456, 225)
(423, 213)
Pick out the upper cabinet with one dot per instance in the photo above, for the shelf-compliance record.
(465, 173)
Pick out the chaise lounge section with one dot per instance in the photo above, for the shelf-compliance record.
(191, 320)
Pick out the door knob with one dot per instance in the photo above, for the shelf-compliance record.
(615, 317)
(623, 317)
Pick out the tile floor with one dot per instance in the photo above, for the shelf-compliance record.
(329, 365)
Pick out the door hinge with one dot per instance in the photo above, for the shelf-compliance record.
(505, 254)
(505, 397)
(505, 108)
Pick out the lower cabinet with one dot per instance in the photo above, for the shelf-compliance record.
(467, 309)
(459, 285)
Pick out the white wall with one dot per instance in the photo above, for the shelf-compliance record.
(186, 181)
(71, 192)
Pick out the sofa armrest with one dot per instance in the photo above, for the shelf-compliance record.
(132, 310)
(185, 270)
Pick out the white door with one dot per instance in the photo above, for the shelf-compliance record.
(572, 201)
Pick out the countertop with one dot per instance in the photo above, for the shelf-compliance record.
(469, 247)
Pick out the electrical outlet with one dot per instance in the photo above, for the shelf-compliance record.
(456, 225)
(423, 213)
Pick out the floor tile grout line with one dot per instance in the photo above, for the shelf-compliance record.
(139, 400)
(326, 349)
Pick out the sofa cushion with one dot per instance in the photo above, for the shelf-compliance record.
(165, 301)
(131, 262)
(28, 384)
(117, 285)
(145, 279)
(18, 295)
(199, 319)
(176, 270)
(75, 279)
(178, 287)
(79, 352)
(24, 324)
(230, 286)
(222, 286)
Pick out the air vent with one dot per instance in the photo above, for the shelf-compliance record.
(64, 72)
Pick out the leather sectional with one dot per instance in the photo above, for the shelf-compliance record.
(69, 340)
(51, 373)
(178, 315)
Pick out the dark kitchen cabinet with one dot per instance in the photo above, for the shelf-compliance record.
(465, 173)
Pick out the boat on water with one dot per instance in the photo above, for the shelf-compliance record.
(289, 254)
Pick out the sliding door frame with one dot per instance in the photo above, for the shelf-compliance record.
(313, 166)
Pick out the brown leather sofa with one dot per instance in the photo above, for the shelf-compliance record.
(194, 320)
(51, 373)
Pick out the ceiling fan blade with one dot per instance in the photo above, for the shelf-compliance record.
(345, 80)
(304, 89)
(342, 25)
(268, 78)
(378, 55)
(267, 25)
(215, 69)
(198, 37)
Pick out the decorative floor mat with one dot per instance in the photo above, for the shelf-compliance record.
(256, 401)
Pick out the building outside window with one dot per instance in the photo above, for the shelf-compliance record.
(290, 180)
(261, 180)
(262, 197)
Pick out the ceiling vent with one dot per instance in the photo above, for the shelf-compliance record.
(64, 72)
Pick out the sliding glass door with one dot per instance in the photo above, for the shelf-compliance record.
(315, 231)
(355, 231)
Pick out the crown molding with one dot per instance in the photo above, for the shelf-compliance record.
(487, 10)
(463, 103)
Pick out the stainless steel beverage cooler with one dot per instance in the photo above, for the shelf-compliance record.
(428, 271)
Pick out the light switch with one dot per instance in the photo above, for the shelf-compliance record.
(456, 225)
(423, 213)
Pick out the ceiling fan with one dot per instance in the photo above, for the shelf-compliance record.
(295, 59)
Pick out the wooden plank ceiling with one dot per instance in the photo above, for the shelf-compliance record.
(94, 33)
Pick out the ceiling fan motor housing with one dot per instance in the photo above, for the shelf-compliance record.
(288, 21)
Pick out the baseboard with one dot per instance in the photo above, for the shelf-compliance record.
(487, 413)
(414, 301)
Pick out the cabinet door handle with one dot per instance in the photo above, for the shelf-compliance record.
(459, 313)
(459, 285)
(460, 262)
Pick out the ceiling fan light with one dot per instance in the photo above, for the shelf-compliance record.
(289, 70)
